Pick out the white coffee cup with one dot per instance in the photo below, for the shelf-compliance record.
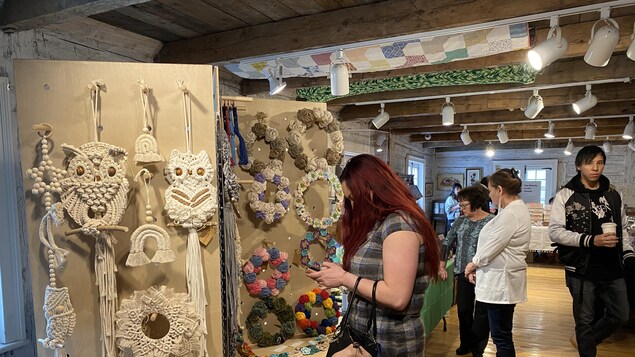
(609, 227)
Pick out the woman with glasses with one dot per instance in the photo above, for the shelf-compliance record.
(473, 324)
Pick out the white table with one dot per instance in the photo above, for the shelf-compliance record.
(540, 241)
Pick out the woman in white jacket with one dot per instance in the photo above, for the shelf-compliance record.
(498, 267)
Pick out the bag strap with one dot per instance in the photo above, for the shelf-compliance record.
(351, 302)
(373, 313)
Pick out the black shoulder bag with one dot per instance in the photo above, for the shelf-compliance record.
(347, 336)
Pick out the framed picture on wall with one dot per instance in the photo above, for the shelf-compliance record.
(473, 176)
(445, 181)
(429, 189)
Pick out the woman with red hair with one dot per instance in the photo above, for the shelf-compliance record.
(388, 239)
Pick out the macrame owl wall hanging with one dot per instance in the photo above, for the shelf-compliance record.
(190, 201)
(94, 193)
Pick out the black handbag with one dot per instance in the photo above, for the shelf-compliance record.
(346, 335)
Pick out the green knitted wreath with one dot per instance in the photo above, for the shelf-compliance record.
(283, 311)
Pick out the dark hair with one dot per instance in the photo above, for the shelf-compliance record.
(485, 181)
(587, 154)
(454, 187)
(365, 174)
(507, 179)
(476, 195)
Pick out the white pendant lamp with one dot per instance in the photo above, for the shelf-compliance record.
(276, 85)
(629, 129)
(549, 134)
(630, 53)
(603, 41)
(465, 136)
(489, 150)
(589, 131)
(502, 134)
(585, 103)
(382, 118)
(534, 105)
(447, 112)
(551, 49)
(339, 75)
(538, 149)
(569, 149)
(607, 146)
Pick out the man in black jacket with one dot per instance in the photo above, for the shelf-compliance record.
(594, 261)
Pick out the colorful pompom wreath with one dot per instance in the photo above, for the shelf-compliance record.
(279, 276)
(327, 240)
(279, 307)
(336, 186)
(317, 297)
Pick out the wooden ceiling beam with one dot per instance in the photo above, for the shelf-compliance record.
(351, 25)
(519, 134)
(21, 15)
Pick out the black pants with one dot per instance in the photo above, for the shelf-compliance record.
(473, 320)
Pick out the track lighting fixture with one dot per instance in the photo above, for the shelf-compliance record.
(629, 129)
(607, 146)
(534, 105)
(549, 134)
(631, 144)
(589, 131)
(569, 149)
(602, 42)
(553, 48)
(630, 53)
(502, 134)
(538, 149)
(585, 103)
(276, 85)
(465, 136)
(447, 112)
(339, 75)
(382, 118)
(489, 150)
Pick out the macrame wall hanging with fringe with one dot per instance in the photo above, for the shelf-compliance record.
(146, 147)
(94, 193)
(158, 323)
(164, 253)
(190, 202)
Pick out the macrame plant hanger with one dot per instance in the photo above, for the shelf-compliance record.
(146, 147)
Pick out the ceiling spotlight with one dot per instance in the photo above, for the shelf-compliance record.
(465, 136)
(502, 134)
(538, 149)
(629, 129)
(630, 53)
(382, 118)
(585, 103)
(551, 49)
(589, 131)
(569, 149)
(631, 144)
(339, 75)
(276, 85)
(381, 140)
(603, 41)
(447, 112)
(549, 134)
(534, 105)
(607, 146)
(489, 150)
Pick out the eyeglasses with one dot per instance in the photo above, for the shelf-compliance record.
(463, 205)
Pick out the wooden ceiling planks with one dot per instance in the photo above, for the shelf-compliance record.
(117, 19)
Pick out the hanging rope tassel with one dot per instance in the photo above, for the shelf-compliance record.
(196, 283)
(105, 269)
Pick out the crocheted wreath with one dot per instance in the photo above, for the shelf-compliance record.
(336, 187)
(269, 211)
(283, 311)
(317, 297)
(279, 276)
(260, 131)
(328, 241)
(298, 127)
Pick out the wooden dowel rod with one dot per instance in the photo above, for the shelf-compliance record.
(237, 98)
(245, 181)
(208, 224)
(102, 228)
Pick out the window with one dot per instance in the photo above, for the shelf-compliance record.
(543, 171)
(416, 168)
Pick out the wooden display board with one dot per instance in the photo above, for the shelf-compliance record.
(56, 92)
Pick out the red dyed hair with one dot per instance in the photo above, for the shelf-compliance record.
(377, 192)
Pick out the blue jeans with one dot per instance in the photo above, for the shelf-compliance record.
(501, 321)
(616, 311)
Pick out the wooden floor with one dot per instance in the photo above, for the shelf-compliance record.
(542, 326)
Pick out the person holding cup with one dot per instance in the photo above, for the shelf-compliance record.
(586, 225)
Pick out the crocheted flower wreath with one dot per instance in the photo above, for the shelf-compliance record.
(279, 276)
(305, 120)
(260, 131)
(283, 311)
(317, 297)
(269, 211)
(318, 235)
(336, 187)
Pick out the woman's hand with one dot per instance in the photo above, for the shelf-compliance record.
(470, 268)
(330, 276)
(443, 274)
